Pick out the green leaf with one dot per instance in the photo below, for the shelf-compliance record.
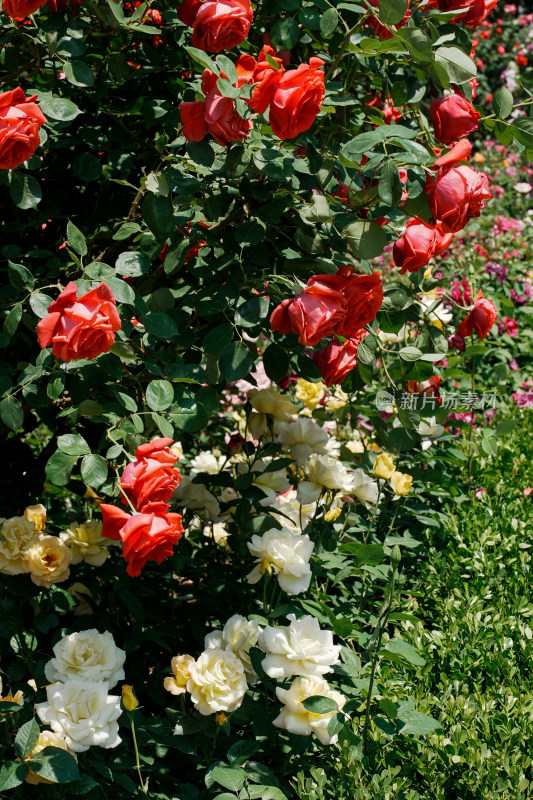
(228, 68)
(235, 361)
(410, 354)
(217, 338)
(418, 44)
(329, 21)
(26, 738)
(12, 774)
(249, 233)
(390, 186)
(523, 130)
(415, 723)
(122, 292)
(366, 239)
(73, 444)
(159, 395)
(55, 765)
(12, 320)
(25, 191)
(133, 264)
(229, 777)
(276, 362)
(502, 102)
(317, 704)
(405, 650)
(59, 108)
(19, 276)
(11, 413)
(78, 73)
(505, 426)
(76, 239)
(39, 303)
(392, 11)
(203, 59)
(157, 212)
(458, 65)
(94, 470)
(285, 34)
(59, 468)
(252, 312)
(160, 325)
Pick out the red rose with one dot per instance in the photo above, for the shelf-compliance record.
(343, 303)
(145, 537)
(80, 327)
(419, 243)
(313, 314)
(453, 117)
(336, 360)
(223, 121)
(471, 12)
(430, 388)
(19, 9)
(20, 120)
(152, 477)
(217, 24)
(297, 99)
(193, 118)
(510, 326)
(379, 29)
(481, 318)
(458, 195)
(261, 73)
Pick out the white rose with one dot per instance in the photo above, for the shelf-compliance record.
(364, 488)
(16, 534)
(323, 472)
(430, 429)
(437, 313)
(393, 338)
(287, 554)
(271, 483)
(87, 655)
(302, 438)
(295, 718)
(300, 648)
(238, 635)
(291, 513)
(217, 681)
(268, 402)
(83, 712)
(86, 542)
(196, 497)
(207, 462)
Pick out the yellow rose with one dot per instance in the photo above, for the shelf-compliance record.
(16, 534)
(46, 739)
(428, 272)
(268, 402)
(401, 482)
(310, 394)
(384, 466)
(48, 560)
(86, 542)
(181, 667)
(128, 698)
(37, 515)
(337, 400)
(332, 514)
(373, 447)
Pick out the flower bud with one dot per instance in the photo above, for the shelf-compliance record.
(128, 698)
(37, 515)
(236, 443)
(396, 555)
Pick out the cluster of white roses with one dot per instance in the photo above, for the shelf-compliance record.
(25, 547)
(79, 708)
(218, 679)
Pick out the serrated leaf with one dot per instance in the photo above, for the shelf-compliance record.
(59, 468)
(159, 395)
(76, 239)
(317, 704)
(73, 444)
(12, 774)
(94, 470)
(55, 765)
(26, 738)
(11, 413)
(329, 21)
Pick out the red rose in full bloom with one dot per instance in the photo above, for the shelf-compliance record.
(20, 9)
(379, 29)
(20, 120)
(81, 327)
(343, 303)
(149, 536)
(193, 118)
(336, 360)
(220, 116)
(470, 12)
(264, 75)
(297, 99)
(152, 477)
(217, 24)
(453, 117)
(419, 243)
(480, 319)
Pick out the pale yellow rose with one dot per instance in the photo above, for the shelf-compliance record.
(128, 697)
(310, 394)
(48, 560)
(383, 466)
(46, 739)
(176, 449)
(332, 514)
(181, 667)
(86, 542)
(37, 515)
(337, 400)
(428, 272)
(16, 534)
(401, 482)
(268, 403)
(217, 682)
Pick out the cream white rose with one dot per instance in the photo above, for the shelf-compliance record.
(287, 555)
(181, 667)
(268, 403)
(302, 438)
(207, 462)
(83, 712)
(300, 648)
(217, 682)
(323, 472)
(48, 560)
(238, 635)
(364, 488)
(196, 497)
(87, 655)
(290, 513)
(86, 542)
(37, 515)
(16, 534)
(295, 718)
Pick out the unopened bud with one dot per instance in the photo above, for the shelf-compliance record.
(396, 555)
(128, 698)
(236, 443)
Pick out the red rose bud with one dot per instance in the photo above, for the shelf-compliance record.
(418, 245)
(453, 117)
(217, 24)
(236, 443)
(457, 341)
(149, 536)
(153, 476)
(480, 319)
(341, 303)
(297, 99)
(20, 120)
(336, 360)
(81, 327)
